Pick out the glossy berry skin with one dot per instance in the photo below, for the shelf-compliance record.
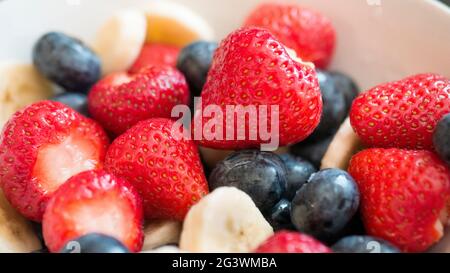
(251, 67)
(312, 149)
(441, 138)
(292, 242)
(306, 31)
(94, 202)
(326, 204)
(334, 106)
(155, 54)
(401, 114)
(403, 194)
(261, 175)
(166, 171)
(346, 86)
(280, 215)
(194, 62)
(42, 146)
(298, 171)
(121, 100)
(76, 101)
(66, 61)
(363, 244)
(94, 243)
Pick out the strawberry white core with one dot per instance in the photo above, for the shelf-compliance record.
(56, 163)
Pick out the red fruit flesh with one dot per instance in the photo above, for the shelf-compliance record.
(40, 148)
(307, 32)
(292, 242)
(94, 201)
(403, 194)
(167, 172)
(121, 100)
(155, 54)
(401, 114)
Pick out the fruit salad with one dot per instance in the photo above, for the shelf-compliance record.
(157, 137)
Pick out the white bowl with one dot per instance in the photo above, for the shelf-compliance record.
(378, 40)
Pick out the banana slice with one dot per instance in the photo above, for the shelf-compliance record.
(164, 249)
(175, 24)
(120, 39)
(344, 144)
(16, 233)
(161, 232)
(225, 220)
(20, 85)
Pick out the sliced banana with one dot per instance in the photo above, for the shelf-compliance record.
(119, 41)
(175, 24)
(226, 220)
(344, 144)
(16, 233)
(164, 249)
(161, 232)
(20, 85)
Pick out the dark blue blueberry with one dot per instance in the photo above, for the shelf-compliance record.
(441, 138)
(76, 101)
(325, 205)
(280, 216)
(312, 150)
(363, 244)
(298, 171)
(94, 243)
(345, 85)
(261, 175)
(334, 107)
(194, 62)
(66, 61)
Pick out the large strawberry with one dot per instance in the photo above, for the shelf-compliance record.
(166, 170)
(404, 195)
(402, 114)
(94, 202)
(121, 100)
(41, 147)
(251, 68)
(306, 31)
(292, 242)
(155, 54)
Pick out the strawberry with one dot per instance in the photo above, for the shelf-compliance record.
(155, 54)
(121, 100)
(40, 148)
(403, 195)
(306, 31)
(251, 68)
(167, 172)
(401, 114)
(94, 202)
(291, 242)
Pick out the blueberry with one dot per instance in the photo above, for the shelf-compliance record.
(194, 62)
(312, 150)
(76, 101)
(261, 175)
(66, 61)
(325, 204)
(280, 216)
(363, 244)
(441, 138)
(334, 106)
(94, 243)
(345, 85)
(298, 172)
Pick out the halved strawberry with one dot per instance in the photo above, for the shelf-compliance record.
(155, 54)
(40, 148)
(94, 201)
(121, 100)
